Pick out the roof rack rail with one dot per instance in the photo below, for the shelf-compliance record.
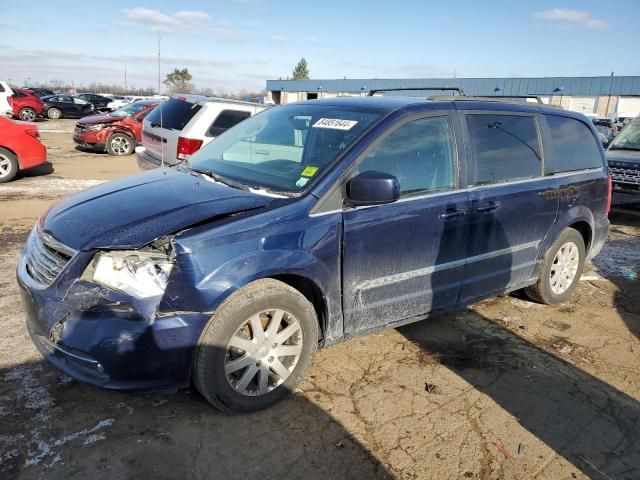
(491, 98)
(409, 89)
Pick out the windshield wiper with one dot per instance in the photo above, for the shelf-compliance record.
(624, 147)
(220, 179)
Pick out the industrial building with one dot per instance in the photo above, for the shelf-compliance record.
(609, 96)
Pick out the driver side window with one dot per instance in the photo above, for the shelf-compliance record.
(420, 154)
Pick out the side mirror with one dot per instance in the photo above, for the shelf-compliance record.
(373, 188)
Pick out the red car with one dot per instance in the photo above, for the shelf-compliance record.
(20, 148)
(117, 132)
(25, 105)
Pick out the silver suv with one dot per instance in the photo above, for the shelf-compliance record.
(179, 127)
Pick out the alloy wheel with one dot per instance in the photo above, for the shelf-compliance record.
(263, 352)
(28, 115)
(564, 268)
(120, 145)
(5, 166)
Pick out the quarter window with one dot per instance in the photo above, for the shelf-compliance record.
(573, 146)
(225, 120)
(420, 154)
(505, 147)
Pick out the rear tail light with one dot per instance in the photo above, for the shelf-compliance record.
(609, 189)
(187, 147)
(33, 132)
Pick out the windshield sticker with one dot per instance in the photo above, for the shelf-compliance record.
(335, 123)
(302, 182)
(309, 172)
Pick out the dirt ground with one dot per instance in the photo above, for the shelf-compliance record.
(508, 389)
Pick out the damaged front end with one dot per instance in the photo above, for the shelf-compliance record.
(94, 314)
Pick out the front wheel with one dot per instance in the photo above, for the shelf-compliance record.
(120, 144)
(256, 348)
(54, 113)
(561, 269)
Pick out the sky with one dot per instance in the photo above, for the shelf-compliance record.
(239, 44)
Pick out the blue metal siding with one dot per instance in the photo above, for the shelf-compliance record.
(587, 86)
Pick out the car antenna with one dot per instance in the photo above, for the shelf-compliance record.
(161, 145)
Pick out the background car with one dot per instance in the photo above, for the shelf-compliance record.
(5, 94)
(25, 105)
(623, 157)
(117, 132)
(100, 103)
(20, 148)
(66, 106)
(39, 92)
(183, 124)
(117, 101)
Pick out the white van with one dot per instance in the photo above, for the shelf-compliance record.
(179, 127)
(5, 93)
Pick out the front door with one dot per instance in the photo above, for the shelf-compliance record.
(513, 206)
(406, 259)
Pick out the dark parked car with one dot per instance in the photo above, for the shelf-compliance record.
(100, 103)
(623, 157)
(306, 225)
(65, 106)
(40, 92)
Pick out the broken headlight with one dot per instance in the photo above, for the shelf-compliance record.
(137, 273)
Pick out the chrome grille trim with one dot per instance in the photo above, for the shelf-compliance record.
(626, 175)
(45, 257)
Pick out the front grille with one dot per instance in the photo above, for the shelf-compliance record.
(45, 257)
(625, 175)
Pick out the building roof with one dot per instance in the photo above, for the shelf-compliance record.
(586, 86)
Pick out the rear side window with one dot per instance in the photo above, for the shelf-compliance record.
(225, 120)
(573, 146)
(174, 114)
(420, 154)
(505, 147)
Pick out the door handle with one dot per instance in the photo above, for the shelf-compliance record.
(491, 207)
(450, 214)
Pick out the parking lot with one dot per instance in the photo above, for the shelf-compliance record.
(507, 389)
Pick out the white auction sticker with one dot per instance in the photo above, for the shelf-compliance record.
(335, 123)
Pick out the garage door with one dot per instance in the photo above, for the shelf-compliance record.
(628, 107)
(582, 104)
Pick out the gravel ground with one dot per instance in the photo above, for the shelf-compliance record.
(507, 389)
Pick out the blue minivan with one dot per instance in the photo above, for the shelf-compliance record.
(306, 225)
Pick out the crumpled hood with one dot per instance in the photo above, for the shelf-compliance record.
(133, 211)
(623, 158)
(95, 119)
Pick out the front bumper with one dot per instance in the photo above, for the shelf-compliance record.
(106, 338)
(90, 139)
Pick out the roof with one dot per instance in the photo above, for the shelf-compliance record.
(391, 103)
(201, 99)
(602, 85)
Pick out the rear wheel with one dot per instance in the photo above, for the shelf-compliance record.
(561, 269)
(8, 165)
(256, 348)
(54, 113)
(27, 114)
(120, 144)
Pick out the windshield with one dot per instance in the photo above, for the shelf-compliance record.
(285, 147)
(629, 138)
(128, 110)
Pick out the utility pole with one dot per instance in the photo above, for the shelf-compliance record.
(158, 64)
(125, 78)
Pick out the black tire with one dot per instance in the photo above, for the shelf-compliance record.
(54, 113)
(120, 144)
(9, 165)
(27, 114)
(542, 291)
(211, 355)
